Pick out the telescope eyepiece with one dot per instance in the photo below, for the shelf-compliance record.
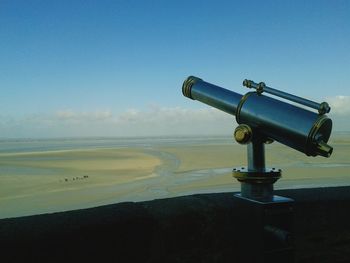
(324, 149)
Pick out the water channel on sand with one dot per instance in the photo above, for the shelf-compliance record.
(43, 176)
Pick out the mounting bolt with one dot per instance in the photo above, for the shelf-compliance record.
(243, 134)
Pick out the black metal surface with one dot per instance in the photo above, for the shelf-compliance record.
(256, 154)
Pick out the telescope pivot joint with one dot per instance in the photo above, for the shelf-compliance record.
(243, 134)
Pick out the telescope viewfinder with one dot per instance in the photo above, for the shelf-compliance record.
(322, 108)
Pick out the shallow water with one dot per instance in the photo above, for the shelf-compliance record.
(24, 163)
(40, 145)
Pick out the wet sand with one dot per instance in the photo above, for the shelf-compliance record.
(62, 180)
(50, 181)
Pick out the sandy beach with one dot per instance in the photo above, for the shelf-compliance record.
(35, 182)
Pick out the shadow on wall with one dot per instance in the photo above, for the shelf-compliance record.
(196, 228)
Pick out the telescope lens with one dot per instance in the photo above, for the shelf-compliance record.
(187, 86)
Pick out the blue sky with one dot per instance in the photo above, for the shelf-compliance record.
(105, 68)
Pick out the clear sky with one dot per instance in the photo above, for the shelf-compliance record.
(115, 68)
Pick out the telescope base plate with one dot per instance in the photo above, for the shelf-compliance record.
(266, 176)
(257, 185)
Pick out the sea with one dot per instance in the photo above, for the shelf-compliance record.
(23, 145)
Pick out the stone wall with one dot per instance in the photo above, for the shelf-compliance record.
(196, 228)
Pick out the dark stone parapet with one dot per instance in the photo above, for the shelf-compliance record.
(196, 228)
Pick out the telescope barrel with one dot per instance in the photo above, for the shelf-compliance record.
(217, 97)
(293, 126)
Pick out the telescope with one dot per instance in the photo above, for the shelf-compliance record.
(263, 119)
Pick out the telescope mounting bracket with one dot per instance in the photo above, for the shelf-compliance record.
(256, 180)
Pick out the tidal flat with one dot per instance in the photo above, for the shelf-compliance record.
(45, 176)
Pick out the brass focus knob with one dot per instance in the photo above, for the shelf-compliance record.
(243, 134)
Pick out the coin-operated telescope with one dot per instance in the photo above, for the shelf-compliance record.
(263, 119)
